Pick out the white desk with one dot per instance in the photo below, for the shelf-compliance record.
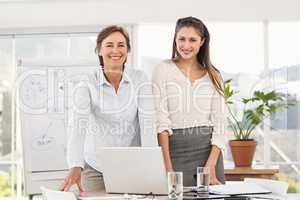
(285, 197)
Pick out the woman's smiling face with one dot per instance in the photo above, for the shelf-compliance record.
(188, 42)
(114, 50)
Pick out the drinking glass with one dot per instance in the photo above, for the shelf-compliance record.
(175, 185)
(202, 180)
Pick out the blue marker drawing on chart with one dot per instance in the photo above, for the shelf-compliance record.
(44, 142)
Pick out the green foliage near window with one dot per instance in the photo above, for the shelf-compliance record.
(256, 108)
(5, 186)
(294, 187)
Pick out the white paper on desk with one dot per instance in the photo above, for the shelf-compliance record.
(103, 198)
(136, 197)
(267, 196)
(238, 188)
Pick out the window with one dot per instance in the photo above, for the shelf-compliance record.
(284, 44)
(237, 48)
(6, 138)
(82, 47)
(32, 48)
(154, 45)
(6, 59)
(284, 48)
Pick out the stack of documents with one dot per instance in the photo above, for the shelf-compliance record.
(239, 188)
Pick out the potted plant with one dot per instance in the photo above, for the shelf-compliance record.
(255, 109)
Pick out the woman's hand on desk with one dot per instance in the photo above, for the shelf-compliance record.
(212, 175)
(169, 169)
(74, 177)
(211, 164)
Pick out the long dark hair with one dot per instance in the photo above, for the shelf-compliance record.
(105, 33)
(203, 56)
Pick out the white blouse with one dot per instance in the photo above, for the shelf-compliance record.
(181, 103)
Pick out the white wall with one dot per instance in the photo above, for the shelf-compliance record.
(46, 13)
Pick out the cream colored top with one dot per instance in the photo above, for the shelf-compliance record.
(181, 103)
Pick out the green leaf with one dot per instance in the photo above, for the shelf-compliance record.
(253, 117)
(245, 101)
(272, 108)
(259, 95)
(227, 81)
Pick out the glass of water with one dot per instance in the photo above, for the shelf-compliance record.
(175, 185)
(202, 180)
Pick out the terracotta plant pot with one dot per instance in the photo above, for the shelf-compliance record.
(242, 152)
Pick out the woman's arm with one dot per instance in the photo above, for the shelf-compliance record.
(211, 164)
(163, 122)
(163, 139)
(78, 124)
(219, 120)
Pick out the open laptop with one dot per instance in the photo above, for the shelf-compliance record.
(136, 170)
